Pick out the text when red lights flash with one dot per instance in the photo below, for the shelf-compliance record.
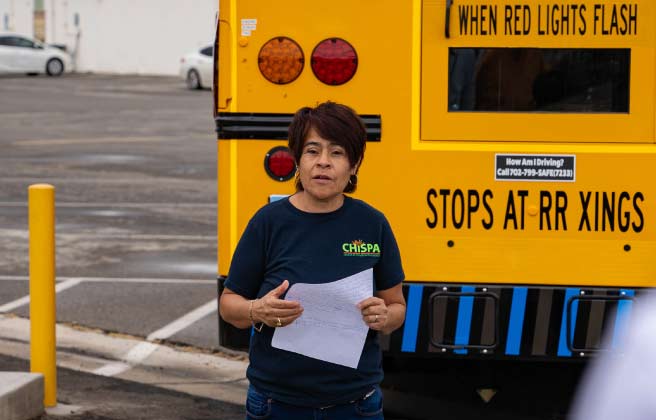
(579, 19)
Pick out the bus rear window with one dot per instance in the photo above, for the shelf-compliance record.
(539, 80)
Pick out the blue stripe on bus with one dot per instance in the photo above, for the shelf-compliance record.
(409, 343)
(622, 318)
(563, 350)
(277, 197)
(465, 307)
(516, 324)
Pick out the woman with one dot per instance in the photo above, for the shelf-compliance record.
(304, 239)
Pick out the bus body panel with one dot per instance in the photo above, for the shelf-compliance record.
(459, 188)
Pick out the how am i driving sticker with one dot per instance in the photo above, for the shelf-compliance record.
(549, 168)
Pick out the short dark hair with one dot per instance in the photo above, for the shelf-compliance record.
(335, 122)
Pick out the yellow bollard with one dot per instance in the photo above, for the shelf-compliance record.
(41, 200)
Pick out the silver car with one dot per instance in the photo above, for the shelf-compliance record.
(20, 54)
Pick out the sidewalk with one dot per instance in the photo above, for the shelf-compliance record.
(103, 398)
(114, 377)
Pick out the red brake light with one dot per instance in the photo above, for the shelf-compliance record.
(279, 163)
(334, 61)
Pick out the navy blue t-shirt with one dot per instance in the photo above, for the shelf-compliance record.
(281, 243)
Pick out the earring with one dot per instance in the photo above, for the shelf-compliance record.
(297, 180)
(353, 180)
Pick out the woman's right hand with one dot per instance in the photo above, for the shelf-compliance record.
(276, 312)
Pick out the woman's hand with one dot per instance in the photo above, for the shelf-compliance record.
(374, 312)
(276, 312)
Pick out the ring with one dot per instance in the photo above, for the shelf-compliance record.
(376, 318)
(279, 323)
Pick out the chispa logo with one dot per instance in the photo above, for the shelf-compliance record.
(359, 248)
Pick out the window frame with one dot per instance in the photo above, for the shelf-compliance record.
(436, 124)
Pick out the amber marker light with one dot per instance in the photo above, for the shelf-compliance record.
(281, 60)
(334, 61)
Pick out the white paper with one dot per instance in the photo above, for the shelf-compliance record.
(331, 327)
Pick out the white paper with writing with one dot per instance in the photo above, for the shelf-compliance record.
(331, 327)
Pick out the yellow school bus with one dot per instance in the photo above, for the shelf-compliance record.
(511, 144)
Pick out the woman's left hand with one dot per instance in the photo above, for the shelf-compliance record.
(374, 312)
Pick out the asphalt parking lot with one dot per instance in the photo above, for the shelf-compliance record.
(133, 163)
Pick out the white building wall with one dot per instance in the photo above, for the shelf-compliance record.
(130, 36)
(17, 16)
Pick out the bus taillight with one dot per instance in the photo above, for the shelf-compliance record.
(279, 163)
(281, 60)
(334, 61)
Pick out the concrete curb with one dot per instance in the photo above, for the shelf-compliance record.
(21, 395)
(175, 368)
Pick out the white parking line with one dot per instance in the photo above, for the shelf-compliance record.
(59, 287)
(18, 233)
(141, 351)
(137, 237)
(184, 321)
(94, 140)
(68, 181)
(135, 356)
(118, 280)
(72, 204)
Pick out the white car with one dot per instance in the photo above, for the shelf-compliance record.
(197, 68)
(20, 54)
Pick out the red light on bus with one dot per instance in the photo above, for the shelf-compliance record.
(281, 60)
(334, 61)
(279, 163)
